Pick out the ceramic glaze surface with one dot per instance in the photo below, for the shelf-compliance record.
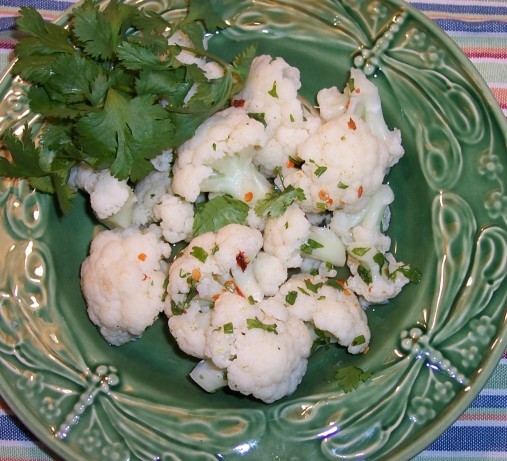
(432, 348)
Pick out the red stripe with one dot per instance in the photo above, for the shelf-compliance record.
(487, 53)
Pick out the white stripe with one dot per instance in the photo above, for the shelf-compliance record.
(489, 60)
(479, 423)
(495, 392)
(461, 2)
(463, 454)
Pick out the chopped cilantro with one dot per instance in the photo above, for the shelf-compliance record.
(228, 328)
(360, 251)
(365, 274)
(350, 377)
(322, 340)
(310, 245)
(199, 253)
(313, 287)
(291, 297)
(259, 116)
(273, 91)
(358, 340)
(256, 323)
(320, 170)
(276, 203)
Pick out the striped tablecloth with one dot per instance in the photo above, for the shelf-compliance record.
(479, 27)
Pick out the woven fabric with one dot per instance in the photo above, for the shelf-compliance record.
(479, 27)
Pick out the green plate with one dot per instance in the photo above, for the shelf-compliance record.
(433, 347)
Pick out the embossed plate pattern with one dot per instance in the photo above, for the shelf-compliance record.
(433, 347)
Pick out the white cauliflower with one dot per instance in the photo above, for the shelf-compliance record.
(334, 310)
(368, 224)
(376, 276)
(290, 237)
(189, 329)
(213, 263)
(218, 158)
(123, 282)
(176, 218)
(149, 192)
(342, 166)
(271, 92)
(263, 356)
(111, 200)
(346, 160)
(284, 235)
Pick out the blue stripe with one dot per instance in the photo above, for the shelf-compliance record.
(490, 401)
(7, 23)
(454, 25)
(11, 429)
(41, 5)
(467, 9)
(475, 438)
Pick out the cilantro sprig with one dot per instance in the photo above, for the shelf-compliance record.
(111, 92)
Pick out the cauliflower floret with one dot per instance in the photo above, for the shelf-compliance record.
(176, 218)
(123, 282)
(284, 235)
(342, 166)
(189, 330)
(335, 311)
(271, 92)
(270, 272)
(149, 191)
(376, 277)
(111, 200)
(218, 158)
(361, 98)
(213, 263)
(262, 356)
(369, 224)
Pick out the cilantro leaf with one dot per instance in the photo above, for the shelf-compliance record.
(276, 203)
(132, 131)
(216, 213)
(201, 10)
(350, 377)
(23, 153)
(44, 38)
(241, 64)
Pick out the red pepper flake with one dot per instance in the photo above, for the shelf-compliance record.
(241, 261)
(196, 274)
(215, 297)
(330, 201)
(346, 291)
(358, 90)
(238, 103)
(323, 195)
(290, 164)
(142, 256)
(351, 124)
(360, 192)
(248, 197)
(144, 277)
